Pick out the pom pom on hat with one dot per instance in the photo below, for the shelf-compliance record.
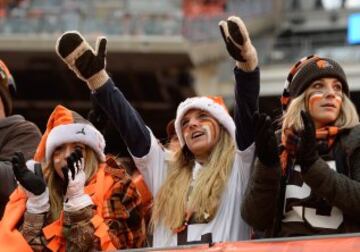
(66, 126)
(213, 105)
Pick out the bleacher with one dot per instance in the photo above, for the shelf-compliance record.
(180, 36)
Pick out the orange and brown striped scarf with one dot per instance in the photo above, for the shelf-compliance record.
(288, 148)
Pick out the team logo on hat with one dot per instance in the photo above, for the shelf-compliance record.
(322, 64)
(82, 131)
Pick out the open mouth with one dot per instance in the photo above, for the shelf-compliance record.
(197, 134)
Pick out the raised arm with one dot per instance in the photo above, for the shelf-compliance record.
(125, 118)
(247, 76)
(89, 65)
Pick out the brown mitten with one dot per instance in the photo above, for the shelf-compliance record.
(238, 43)
(87, 63)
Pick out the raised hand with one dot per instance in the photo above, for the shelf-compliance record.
(75, 197)
(307, 152)
(88, 64)
(238, 43)
(31, 181)
(72, 168)
(266, 147)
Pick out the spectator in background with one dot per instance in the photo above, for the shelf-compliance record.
(81, 203)
(16, 134)
(313, 186)
(198, 193)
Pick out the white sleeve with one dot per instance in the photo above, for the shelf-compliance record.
(245, 160)
(152, 165)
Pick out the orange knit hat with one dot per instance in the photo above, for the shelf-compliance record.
(66, 126)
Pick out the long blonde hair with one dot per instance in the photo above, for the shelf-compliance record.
(56, 184)
(348, 116)
(174, 197)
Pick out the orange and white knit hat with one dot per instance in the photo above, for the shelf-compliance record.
(66, 126)
(212, 104)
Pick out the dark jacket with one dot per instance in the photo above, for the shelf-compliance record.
(263, 206)
(16, 134)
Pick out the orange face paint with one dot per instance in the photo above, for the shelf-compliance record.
(323, 107)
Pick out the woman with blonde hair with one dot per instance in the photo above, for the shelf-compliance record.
(81, 203)
(311, 183)
(198, 189)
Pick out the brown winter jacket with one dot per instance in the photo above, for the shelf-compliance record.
(16, 134)
(262, 207)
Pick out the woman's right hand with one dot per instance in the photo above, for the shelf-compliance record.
(32, 181)
(29, 175)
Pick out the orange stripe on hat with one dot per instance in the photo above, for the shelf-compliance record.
(59, 116)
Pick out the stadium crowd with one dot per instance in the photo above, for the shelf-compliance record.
(220, 178)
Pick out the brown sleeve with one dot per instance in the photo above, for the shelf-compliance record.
(78, 230)
(260, 200)
(338, 189)
(32, 230)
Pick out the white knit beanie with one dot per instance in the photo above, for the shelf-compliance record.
(213, 105)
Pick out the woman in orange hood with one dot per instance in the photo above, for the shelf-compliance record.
(81, 203)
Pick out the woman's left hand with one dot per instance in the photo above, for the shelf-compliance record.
(307, 152)
(75, 179)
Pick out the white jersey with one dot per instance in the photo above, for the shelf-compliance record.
(227, 225)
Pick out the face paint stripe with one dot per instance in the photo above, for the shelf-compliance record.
(208, 133)
(314, 98)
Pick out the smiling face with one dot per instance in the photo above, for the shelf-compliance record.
(201, 133)
(324, 100)
(62, 152)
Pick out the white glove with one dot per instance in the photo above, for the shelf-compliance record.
(37, 204)
(75, 197)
